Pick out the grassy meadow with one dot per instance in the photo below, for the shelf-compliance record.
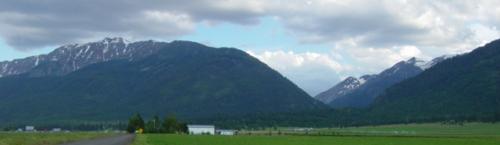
(19, 138)
(429, 130)
(413, 134)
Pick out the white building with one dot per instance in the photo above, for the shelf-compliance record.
(225, 132)
(29, 128)
(201, 129)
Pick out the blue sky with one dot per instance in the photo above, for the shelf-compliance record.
(269, 34)
(314, 43)
(9, 53)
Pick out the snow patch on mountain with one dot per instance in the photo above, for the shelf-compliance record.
(342, 88)
(394, 74)
(424, 65)
(71, 57)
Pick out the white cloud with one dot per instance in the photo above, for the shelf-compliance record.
(435, 26)
(409, 51)
(30, 24)
(427, 24)
(483, 34)
(373, 60)
(158, 21)
(314, 72)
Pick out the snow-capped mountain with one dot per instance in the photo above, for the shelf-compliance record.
(360, 92)
(181, 77)
(428, 64)
(71, 57)
(463, 88)
(342, 88)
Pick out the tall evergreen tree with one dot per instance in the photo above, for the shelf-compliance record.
(135, 122)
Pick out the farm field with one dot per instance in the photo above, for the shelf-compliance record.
(431, 129)
(428, 129)
(158, 139)
(413, 134)
(10, 138)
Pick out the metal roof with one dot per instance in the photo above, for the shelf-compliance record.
(200, 126)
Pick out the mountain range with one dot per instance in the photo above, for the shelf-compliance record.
(71, 57)
(464, 87)
(113, 78)
(360, 92)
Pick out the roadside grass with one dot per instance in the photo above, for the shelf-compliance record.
(410, 134)
(142, 139)
(45, 138)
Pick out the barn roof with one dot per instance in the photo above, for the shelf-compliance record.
(200, 126)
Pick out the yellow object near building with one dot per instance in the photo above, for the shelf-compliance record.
(139, 131)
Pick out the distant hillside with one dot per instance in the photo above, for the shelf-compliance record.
(185, 78)
(360, 93)
(464, 87)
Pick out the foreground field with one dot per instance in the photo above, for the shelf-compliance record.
(412, 134)
(156, 139)
(45, 138)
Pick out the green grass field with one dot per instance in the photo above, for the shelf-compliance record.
(433, 129)
(158, 139)
(413, 134)
(7, 138)
(430, 129)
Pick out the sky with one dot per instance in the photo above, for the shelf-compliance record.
(314, 43)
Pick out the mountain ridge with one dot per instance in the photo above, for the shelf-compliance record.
(362, 95)
(71, 57)
(185, 78)
(464, 88)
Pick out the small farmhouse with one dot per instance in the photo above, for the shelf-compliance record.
(201, 129)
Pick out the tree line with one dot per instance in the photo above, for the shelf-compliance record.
(170, 124)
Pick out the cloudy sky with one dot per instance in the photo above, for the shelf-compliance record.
(315, 43)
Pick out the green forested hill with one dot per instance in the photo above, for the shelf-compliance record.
(183, 78)
(465, 87)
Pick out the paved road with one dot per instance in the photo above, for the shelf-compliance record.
(115, 140)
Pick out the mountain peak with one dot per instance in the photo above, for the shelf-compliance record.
(428, 64)
(340, 89)
(71, 57)
(412, 59)
(422, 64)
(105, 41)
(415, 61)
(114, 40)
(360, 92)
(187, 43)
(350, 79)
